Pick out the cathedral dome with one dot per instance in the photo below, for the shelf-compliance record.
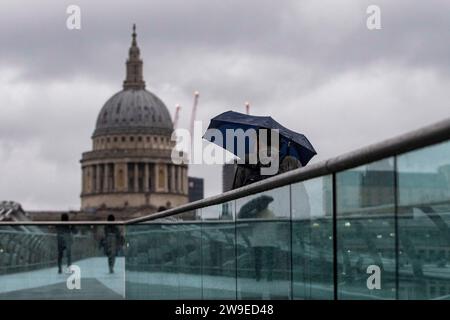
(130, 170)
(134, 110)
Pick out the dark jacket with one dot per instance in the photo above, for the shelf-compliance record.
(289, 163)
(113, 240)
(246, 174)
(65, 236)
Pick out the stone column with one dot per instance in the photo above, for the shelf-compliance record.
(112, 187)
(102, 177)
(175, 178)
(91, 179)
(136, 177)
(125, 177)
(105, 177)
(83, 180)
(97, 178)
(185, 181)
(155, 174)
(161, 177)
(172, 177)
(168, 177)
(146, 177)
(121, 177)
(178, 179)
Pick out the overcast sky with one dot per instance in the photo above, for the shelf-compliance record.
(311, 64)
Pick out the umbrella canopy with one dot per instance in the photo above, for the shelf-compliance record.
(252, 208)
(291, 143)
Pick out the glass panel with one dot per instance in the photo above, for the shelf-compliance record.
(263, 237)
(34, 262)
(150, 259)
(366, 231)
(219, 252)
(424, 223)
(164, 258)
(312, 241)
(189, 255)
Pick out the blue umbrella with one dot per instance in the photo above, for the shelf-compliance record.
(291, 143)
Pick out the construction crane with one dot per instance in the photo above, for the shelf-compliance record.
(194, 111)
(247, 107)
(176, 117)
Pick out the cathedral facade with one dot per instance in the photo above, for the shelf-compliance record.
(130, 166)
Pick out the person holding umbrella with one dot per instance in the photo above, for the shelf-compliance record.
(293, 149)
(247, 173)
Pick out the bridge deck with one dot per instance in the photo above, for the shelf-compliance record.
(96, 282)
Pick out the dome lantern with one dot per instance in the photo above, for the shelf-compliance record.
(134, 77)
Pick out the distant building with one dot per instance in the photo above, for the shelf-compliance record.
(196, 189)
(228, 171)
(375, 187)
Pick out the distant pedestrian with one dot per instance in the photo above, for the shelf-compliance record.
(64, 237)
(112, 242)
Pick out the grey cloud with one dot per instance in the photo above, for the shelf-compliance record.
(334, 41)
(312, 65)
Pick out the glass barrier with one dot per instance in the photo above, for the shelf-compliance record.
(365, 200)
(164, 258)
(378, 231)
(219, 252)
(312, 239)
(424, 223)
(263, 241)
(61, 262)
